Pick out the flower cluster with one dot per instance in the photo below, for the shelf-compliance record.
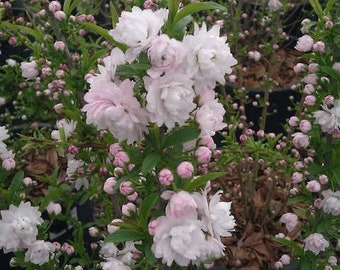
(180, 73)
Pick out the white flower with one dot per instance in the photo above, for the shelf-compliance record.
(215, 215)
(210, 117)
(29, 70)
(165, 54)
(68, 128)
(290, 220)
(331, 202)
(39, 252)
(72, 166)
(315, 243)
(137, 28)
(170, 99)
(178, 240)
(115, 264)
(274, 5)
(208, 56)
(3, 136)
(328, 119)
(125, 255)
(18, 226)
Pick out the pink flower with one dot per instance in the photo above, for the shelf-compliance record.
(274, 5)
(304, 43)
(290, 220)
(137, 29)
(113, 107)
(53, 208)
(170, 99)
(328, 119)
(207, 141)
(109, 185)
(313, 186)
(165, 54)
(300, 140)
(59, 45)
(185, 169)
(181, 205)
(210, 118)
(29, 70)
(331, 202)
(165, 177)
(323, 179)
(315, 243)
(203, 154)
(113, 263)
(152, 226)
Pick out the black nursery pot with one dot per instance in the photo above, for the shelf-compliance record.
(281, 107)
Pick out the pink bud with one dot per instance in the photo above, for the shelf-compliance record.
(121, 158)
(152, 226)
(54, 6)
(72, 149)
(329, 100)
(58, 108)
(308, 89)
(165, 177)
(285, 259)
(299, 67)
(60, 15)
(114, 149)
(53, 208)
(93, 231)
(27, 181)
(109, 185)
(126, 188)
(203, 154)
(66, 247)
(133, 197)
(113, 226)
(128, 208)
(297, 177)
(185, 170)
(323, 179)
(56, 245)
(8, 164)
(313, 67)
(305, 126)
(313, 186)
(309, 100)
(59, 45)
(12, 41)
(319, 47)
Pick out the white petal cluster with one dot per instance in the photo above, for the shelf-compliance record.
(18, 227)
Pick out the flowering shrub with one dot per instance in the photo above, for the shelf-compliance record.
(133, 141)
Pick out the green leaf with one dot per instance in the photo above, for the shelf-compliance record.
(195, 7)
(134, 69)
(150, 162)
(146, 207)
(317, 8)
(96, 29)
(298, 251)
(66, 6)
(124, 235)
(181, 136)
(201, 181)
(329, 6)
(73, 6)
(114, 15)
(16, 182)
(173, 6)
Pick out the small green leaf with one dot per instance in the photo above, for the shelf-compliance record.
(150, 162)
(146, 207)
(298, 251)
(16, 182)
(124, 235)
(104, 33)
(317, 8)
(66, 6)
(201, 181)
(196, 7)
(329, 5)
(114, 15)
(134, 69)
(181, 136)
